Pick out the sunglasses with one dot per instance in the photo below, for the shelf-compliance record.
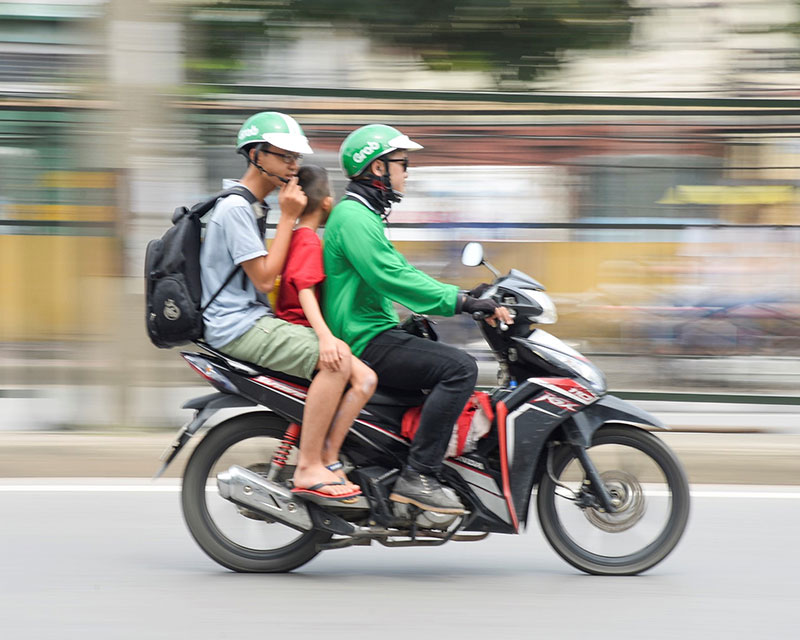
(403, 160)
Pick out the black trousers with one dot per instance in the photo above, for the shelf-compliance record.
(404, 361)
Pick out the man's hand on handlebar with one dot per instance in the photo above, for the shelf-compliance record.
(502, 314)
(487, 307)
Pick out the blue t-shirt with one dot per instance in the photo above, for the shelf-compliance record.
(231, 237)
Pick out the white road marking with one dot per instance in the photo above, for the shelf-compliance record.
(138, 485)
(768, 495)
(87, 488)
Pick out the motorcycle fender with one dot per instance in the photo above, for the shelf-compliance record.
(578, 428)
(204, 407)
(608, 409)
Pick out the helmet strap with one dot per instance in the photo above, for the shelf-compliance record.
(391, 194)
(254, 163)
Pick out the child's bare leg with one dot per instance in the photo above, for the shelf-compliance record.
(362, 385)
(323, 396)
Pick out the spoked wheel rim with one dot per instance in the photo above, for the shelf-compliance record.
(239, 526)
(235, 537)
(646, 485)
(644, 508)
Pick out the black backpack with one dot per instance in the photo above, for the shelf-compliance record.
(173, 292)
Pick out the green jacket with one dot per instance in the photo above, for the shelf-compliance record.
(364, 274)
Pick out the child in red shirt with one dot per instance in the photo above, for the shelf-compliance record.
(298, 302)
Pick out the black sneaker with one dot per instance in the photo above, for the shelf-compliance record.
(426, 492)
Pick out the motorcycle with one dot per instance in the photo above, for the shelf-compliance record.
(611, 497)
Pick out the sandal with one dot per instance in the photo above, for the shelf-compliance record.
(315, 491)
(339, 466)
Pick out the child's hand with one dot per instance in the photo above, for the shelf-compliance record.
(331, 353)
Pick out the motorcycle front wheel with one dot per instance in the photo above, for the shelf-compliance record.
(648, 487)
(232, 536)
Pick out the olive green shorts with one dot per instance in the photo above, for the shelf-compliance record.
(278, 345)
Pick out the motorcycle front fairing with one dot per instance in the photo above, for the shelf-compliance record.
(528, 417)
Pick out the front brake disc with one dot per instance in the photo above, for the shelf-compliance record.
(628, 499)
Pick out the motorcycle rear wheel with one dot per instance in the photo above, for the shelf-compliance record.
(644, 476)
(243, 543)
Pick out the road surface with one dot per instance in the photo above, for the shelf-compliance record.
(111, 559)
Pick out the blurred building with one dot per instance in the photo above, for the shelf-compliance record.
(651, 183)
(729, 47)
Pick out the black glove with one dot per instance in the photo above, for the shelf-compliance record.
(478, 291)
(487, 306)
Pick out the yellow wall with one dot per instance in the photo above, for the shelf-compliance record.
(56, 287)
(64, 287)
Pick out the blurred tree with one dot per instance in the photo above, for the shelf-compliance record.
(511, 39)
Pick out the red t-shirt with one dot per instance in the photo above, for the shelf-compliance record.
(303, 269)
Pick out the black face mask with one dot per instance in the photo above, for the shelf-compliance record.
(371, 188)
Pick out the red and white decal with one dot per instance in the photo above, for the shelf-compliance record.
(502, 413)
(568, 387)
(556, 401)
(283, 387)
(385, 432)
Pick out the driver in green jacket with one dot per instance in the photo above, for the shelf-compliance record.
(365, 274)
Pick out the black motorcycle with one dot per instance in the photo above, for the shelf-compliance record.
(612, 499)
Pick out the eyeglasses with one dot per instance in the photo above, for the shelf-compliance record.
(403, 160)
(288, 158)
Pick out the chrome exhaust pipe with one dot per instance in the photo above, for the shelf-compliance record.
(247, 489)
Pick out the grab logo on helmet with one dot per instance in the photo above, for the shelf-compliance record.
(366, 151)
(250, 131)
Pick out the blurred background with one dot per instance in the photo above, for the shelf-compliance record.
(641, 158)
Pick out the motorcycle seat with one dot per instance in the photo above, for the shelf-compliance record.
(250, 369)
(387, 396)
(383, 396)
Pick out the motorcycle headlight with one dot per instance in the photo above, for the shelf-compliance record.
(549, 314)
(586, 370)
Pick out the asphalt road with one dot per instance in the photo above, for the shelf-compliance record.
(117, 562)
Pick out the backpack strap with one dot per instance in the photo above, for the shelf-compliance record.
(201, 208)
(224, 284)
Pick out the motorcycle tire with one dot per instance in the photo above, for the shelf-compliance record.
(208, 533)
(676, 509)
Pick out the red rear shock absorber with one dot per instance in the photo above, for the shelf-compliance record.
(281, 454)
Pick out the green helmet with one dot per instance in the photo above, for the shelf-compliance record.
(277, 129)
(368, 143)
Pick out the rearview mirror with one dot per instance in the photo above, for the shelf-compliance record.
(472, 254)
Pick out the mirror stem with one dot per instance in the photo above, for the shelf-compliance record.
(491, 268)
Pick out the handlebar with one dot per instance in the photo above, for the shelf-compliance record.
(480, 315)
